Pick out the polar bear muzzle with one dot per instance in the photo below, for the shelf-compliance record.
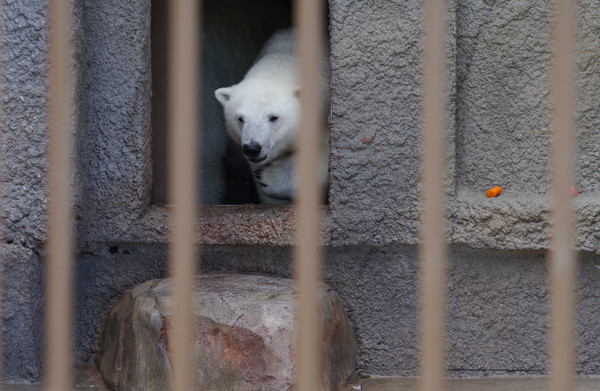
(252, 152)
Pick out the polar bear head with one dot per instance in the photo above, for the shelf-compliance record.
(262, 116)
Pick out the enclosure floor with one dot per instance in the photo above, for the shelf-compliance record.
(87, 378)
(487, 384)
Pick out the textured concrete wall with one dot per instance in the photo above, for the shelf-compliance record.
(22, 185)
(375, 79)
(499, 127)
(503, 96)
(113, 136)
(503, 124)
(498, 134)
(23, 178)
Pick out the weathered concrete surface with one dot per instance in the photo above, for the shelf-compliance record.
(501, 106)
(503, 124)
(113, 138)
(376, 79)
(503, 95)
(22, 185)
(22, 305)
(85, 378)
(232, 224)
(244, 336)
(588, 84)
(496, 310)
(24, 123)
(23, 177)
(503, 115)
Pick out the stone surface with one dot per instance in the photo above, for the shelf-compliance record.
(503, 100)
(375, 134)
(22, 313)
(114, 134)
(22, 184)
(503, 119)
(244, 336)
(23, 178)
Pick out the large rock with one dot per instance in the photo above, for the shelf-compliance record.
(244, 336)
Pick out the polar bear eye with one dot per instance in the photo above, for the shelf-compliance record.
(273, 118)
(240, 119)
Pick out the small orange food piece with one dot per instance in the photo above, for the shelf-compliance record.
(574, 192)
(493, 192)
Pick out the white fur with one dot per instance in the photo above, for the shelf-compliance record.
(263, 110)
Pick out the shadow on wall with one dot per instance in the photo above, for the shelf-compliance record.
(233, 32)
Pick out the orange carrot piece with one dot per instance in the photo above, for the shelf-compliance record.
(493, 192)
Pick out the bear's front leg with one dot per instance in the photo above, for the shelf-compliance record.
(276, 180)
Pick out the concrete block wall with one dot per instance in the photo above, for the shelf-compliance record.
(22, 185)
(498, 57)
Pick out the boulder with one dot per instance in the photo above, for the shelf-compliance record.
(244, 336)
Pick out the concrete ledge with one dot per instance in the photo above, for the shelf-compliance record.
(519, 221)
(509, 222)
(216, 225)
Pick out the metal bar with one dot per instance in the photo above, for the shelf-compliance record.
(562, 257)
(59, 274)
(183, 159)
(433, 247)
(307, 252)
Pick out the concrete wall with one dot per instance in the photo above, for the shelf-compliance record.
(498, 56)
(22, 185)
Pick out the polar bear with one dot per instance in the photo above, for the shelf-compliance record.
(233, 34)
(262, 114)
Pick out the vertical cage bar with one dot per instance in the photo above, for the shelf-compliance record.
(562, 257)
(307, 253)
(433, 246)
(59, 285)
(183, 159)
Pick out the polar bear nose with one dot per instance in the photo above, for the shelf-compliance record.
(252, 150)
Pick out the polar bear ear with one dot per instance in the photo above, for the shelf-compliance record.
(223, 95)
